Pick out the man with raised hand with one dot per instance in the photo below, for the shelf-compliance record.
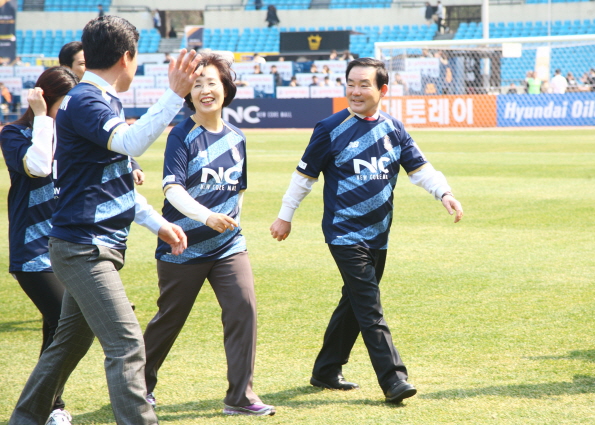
(360, 150)
(96, 204)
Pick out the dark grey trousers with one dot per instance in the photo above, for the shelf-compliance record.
(232, 281)
(94, 304)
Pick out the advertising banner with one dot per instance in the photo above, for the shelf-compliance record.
(544, 110)
(29, 74)
(6, 72)
(438, 111)
(156, 68)
(127, 98)
(245, 93)
(331, 91)
(286, 92)
(285, 69)
(277, 113)
(338, 67)
(143, 82)
(145, 98)
(14, 84)
(263, 84)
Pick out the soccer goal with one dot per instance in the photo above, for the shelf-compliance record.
(465, 79)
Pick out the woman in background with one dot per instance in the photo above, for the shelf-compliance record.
(27, 147)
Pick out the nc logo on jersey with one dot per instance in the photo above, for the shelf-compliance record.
(377, 165)
(220, 175)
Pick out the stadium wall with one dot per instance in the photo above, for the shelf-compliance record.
(74, 20)
(392, 16)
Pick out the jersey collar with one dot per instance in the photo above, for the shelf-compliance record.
(375, 116)
(96, 80)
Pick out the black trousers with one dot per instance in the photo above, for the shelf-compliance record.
(46, 292)
(359, 310)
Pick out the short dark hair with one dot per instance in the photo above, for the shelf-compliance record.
(106, 39)
(226, 74)
(55, 82)
(381, 74)
(67, 52)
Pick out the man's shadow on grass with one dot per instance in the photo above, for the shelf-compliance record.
(581, 384)
(214, 408)
(586, 355)
(15, 326)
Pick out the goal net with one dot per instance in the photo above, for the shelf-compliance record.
(529, 81)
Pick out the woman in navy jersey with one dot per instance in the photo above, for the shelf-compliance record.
(204, 178)
(27, 147)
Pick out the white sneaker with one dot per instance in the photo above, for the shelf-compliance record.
(59, 417)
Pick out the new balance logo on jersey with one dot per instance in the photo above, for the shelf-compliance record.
(221, 175)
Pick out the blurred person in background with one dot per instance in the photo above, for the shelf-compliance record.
(272, 17)
(558, 83)
(27, 147)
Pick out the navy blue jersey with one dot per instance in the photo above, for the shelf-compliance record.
(360, 161)
(212, 169)
(30, 205)
(94, 184)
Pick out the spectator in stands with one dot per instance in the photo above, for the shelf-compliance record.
(326, 69)
(257, 69)
(168, 58)
(334, 55)
(27, 148)
(440, 17)
(512, 89)
(315, 82)
(272, 17)
(425, 53)
(172, 32)
(430, 11)
(572, 83)
(6, 96)
(533, 83)
(257, 4)
(276, 76)
(281, 59)
(327, 81)
(339, 82)
(100, 11)
(313, 69)
(590, 80)
(258, 59)
(72, 56)
(17, 62)
(293, 82)
(399, 81)
(558, 83)
(157, 20)
(347, 56)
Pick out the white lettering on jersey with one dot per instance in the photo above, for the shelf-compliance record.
(111, 123)
(353, 145)
(219, 176)
(64, 103)
(302, 165)
(375, 166)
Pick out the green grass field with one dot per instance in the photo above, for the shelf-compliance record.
(493, 316)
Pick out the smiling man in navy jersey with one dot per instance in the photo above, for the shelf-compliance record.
(95, 207)
(360, 151)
